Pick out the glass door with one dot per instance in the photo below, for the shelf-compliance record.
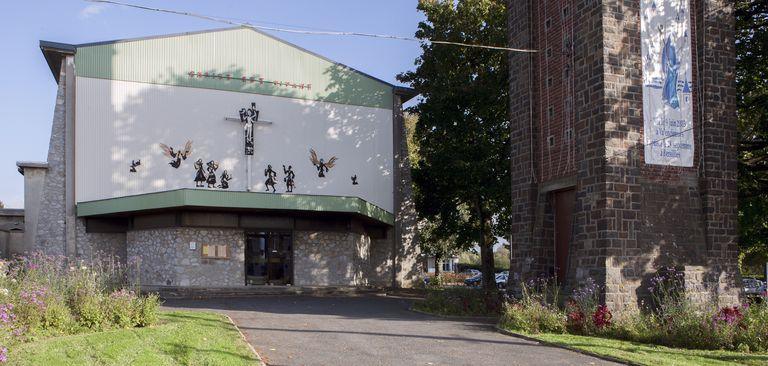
(268, 258)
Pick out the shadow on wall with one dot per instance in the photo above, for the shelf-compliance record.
(144, 116)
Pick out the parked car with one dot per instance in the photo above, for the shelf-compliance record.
(753, 287)
(472, 272)
(475, 280)
(501, 279)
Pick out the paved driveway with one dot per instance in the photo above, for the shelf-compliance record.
(373, 330)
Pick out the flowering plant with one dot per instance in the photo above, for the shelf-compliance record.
(602, 317)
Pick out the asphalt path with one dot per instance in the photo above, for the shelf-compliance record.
(373, 330)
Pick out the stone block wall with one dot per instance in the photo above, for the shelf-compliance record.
(50, 231)
(324, 258)
(165, 258)
(94, 245)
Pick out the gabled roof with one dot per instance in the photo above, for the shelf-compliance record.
(54, 52)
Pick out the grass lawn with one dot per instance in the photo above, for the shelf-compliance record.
(649, 354)
(179, 338)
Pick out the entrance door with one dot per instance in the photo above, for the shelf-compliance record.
(564, 202)
(268, 257)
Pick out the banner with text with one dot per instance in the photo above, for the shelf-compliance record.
(667, 101)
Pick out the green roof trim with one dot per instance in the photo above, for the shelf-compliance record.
(233, 200)
(227, 56)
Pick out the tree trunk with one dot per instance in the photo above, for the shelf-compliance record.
(437, 265)
(486, 248)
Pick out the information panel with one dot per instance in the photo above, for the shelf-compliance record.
(667, 101)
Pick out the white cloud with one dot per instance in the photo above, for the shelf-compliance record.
(91, 10)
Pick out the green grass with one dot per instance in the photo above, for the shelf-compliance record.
(179, 338)
(646, 354)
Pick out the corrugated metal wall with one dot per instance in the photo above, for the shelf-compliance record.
(227, 56)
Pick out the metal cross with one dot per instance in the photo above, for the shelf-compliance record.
(248, 117)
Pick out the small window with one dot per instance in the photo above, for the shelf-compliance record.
(568, 134)
(565, 11)
(547, 24)
(213, 251)
(549, 52)
(551, 112)
(551, 141)
(566, 72)
(549, 82)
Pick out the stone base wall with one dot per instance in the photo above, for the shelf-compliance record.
(165, 258)
(331, 258)
(381, 272)
(99, 245)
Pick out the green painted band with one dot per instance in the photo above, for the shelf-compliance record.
(233, 200)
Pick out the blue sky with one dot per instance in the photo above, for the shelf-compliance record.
(28, 90)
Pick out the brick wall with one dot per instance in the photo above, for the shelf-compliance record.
(630, 219)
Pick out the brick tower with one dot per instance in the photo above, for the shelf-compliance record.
(624, 144)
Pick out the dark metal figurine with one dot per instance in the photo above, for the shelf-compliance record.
(225, 178)
(249, 116)
(322, 166)
(354, 180)
(271, 178)
(178, 155)
(289, 178)
(200, 175)
(134, 164)
(211, 167)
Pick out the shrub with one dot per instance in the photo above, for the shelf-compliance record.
(122, 308)
(58, 317)
(89, 309)
(461, 301)
(753, 329)
(532, 317)
(42, 295)
(537, 311)
(146, 309)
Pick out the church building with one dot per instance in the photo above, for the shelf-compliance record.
(224, 158)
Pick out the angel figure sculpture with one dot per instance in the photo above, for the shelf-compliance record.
(321, 165)
(134, 164)
(178, 155)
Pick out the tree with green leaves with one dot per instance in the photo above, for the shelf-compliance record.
(462, 177)
(752, 87)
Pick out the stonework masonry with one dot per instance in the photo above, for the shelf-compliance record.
(165, 258)
(630, 219)
(50, 231)
(407, 259)
(95, 245)
(331, 258)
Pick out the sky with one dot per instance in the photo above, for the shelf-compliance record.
(28, 89)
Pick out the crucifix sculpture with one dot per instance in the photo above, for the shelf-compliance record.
(248, 117)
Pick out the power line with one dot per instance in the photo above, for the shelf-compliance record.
(313, 32)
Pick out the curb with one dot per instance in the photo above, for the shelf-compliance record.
(242, 335)
(456, 317)
(583, 352)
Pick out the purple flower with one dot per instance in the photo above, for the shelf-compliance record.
(3, 354)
